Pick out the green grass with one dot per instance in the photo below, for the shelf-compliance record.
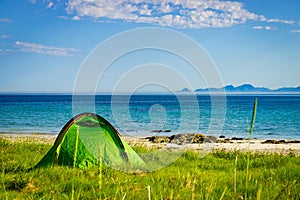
(271, 176)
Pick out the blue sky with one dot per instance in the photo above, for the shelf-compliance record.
(44, 42)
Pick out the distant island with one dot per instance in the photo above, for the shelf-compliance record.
(245, 88)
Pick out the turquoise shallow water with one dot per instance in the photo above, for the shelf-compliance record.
(278, 116)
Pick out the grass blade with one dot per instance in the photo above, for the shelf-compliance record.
(249, 138)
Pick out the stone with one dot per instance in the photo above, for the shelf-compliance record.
(280, 141)
(294, 141)
(157, 131)
(270, 142)
(158, 139)
(199, 138)
(210, 139)
(183, 139)
(226, 140)
(237, 138)
(180, 139)
(187, 138)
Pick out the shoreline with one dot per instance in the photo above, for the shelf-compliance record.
(238, 144)
(150, 134)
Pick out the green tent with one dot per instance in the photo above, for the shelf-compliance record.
(88, 140)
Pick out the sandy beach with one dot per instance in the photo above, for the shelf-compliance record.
(256, 145)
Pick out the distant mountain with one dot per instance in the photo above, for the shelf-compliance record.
(248, 88)
(288, 89)
(185, 90)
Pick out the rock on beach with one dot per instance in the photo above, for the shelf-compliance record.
(183, 139)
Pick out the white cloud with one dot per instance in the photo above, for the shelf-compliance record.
(296, 31)
(258, 27)
(5, 20)
(171, 13)
(5, 51)
(174, 13)
(63, 17)
(280, 21)
(76, 18)
(50, 4)
(268, 28)
(46, 50)
(4, 36)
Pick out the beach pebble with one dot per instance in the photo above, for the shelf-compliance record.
(275, 142)
(237, 138)
(157, 131)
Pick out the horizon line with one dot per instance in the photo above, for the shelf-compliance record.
(152, 93)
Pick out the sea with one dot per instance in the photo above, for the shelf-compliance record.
(277, 116)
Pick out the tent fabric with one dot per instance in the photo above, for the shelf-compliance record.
(88, 140)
